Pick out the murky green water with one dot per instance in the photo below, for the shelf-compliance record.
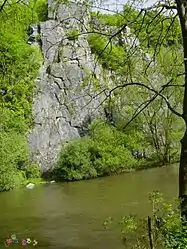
(70, 215)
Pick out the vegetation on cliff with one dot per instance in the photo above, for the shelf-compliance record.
(19, 64)
(152, 138)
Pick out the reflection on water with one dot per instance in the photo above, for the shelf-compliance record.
(70, 215)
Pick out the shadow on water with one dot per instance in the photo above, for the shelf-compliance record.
(71, 215)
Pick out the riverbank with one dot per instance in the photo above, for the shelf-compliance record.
(106, 151)
(50, 177)
(54, 176)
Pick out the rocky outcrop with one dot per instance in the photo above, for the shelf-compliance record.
(67, 99)
(65, 102)
(125, 38)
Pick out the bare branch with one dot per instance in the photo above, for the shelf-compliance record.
(2, 6)
(150, 101)
(168, 7)
(160, 5)
(150, 89)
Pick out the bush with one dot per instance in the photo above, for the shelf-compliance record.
(112, 57)
(168, 229)
(13, 156)
(7, 180)
(74, 162)
(32, 171)
(102, 153)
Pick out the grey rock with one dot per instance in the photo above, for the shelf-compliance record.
(34, 35)
(62, 107)
(30, 186)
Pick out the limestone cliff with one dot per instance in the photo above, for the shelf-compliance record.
(62, 107)
(66, 100)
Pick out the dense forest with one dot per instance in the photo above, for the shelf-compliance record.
(121, 141)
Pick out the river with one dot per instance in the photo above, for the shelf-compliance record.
(71, 215)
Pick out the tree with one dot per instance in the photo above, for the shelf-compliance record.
(182, 12)
(167, 12)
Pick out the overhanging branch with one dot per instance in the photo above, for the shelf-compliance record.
(150, 89)
(2, 6)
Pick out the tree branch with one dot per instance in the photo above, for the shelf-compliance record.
(160, 5)
(150, 89)
(2, 6)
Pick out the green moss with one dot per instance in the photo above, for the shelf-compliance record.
(73, 35)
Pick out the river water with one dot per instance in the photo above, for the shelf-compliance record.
(71, 215)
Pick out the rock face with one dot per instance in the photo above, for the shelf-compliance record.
(67, 100)
(62, 107)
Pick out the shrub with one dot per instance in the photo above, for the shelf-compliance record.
(12, 157)
(19, 178)
(168, 229)
(112, 57)
(41, 9)
(102, 153)
(74, 162)
(7, 180)
(115, 20)
(32, 171)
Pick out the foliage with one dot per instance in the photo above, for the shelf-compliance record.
(11, 120)
(115, 20)
(74, 162)
(13, 155)
(152, 28)
(15, 167)
(171, 228)
(168, 229)
(106, 151)
(32, 171)
(73, 35)
(19, 61)
(110, 56)
(19, 64)
(161, 38)
(41, 10)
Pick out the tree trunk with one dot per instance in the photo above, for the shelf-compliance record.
(183, 176)
(182, 12)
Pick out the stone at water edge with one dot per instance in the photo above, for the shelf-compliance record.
(52, 181)
(30, 186)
